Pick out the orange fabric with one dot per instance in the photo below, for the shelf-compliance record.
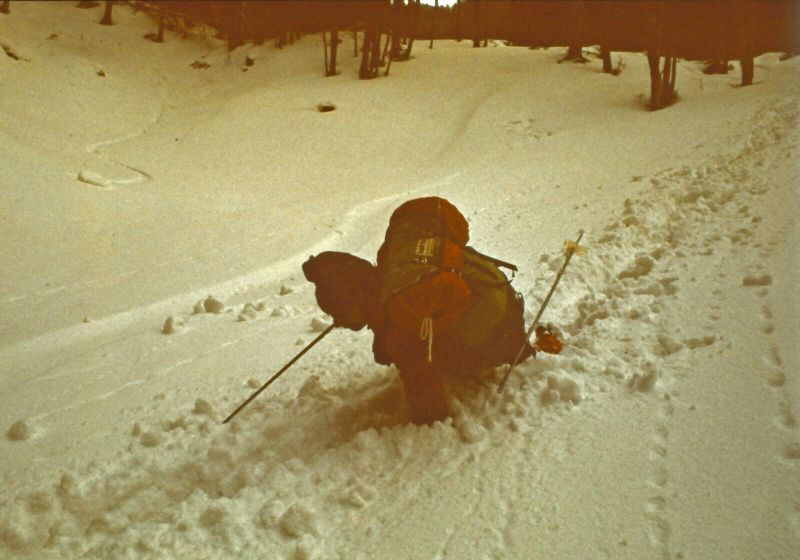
(452, 256)
(547, 342)
(444, 296)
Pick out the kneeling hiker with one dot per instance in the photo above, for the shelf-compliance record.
(435, 305)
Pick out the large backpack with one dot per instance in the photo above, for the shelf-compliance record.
(431, 281)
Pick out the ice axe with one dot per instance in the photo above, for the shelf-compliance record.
(572, 246)
(289, 364)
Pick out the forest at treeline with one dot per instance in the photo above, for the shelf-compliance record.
(714, 30)
(685, 28)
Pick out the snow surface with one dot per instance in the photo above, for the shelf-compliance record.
(155, 217)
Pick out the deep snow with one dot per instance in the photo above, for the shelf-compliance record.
(135, 186)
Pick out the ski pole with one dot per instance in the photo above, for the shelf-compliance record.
(569, 252)
(277, 375)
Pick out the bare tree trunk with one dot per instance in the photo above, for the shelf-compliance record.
(662, 80)
(413, 17)
(653, 60)
(385, 52)
(748, 71)
(325, 48)
(375, 55)
(334, 50)
(458, 23)
(5, 7)
(407, 52)
(574, 53)
(160, 38)
(389, 61)
(107, 14)
(746, 33)
(608, 67)
(370, 53)
(397, 15)
(673, 77)
(666, 78)
(477, 21)
(433, 22)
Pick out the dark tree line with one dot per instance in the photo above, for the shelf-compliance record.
(716, 30)
(666, 31)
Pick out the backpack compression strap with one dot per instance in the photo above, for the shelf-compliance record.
(497, 262)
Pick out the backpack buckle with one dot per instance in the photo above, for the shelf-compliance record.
(426, 247)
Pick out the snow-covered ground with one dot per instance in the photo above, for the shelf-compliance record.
(133, 186)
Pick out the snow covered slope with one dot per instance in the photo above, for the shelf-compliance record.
(133, 186)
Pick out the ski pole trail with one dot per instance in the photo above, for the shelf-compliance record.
(656, 508)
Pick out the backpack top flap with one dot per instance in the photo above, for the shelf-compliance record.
(451, 222)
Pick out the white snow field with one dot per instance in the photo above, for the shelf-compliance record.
(133, 186)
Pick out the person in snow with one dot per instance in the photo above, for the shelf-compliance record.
(437, 307)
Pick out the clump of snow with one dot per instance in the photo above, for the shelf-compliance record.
(792, 451)
(471, 430)
(641, 266)
(202, 406)
(757, 280)
(92, 178)
(151, 439)
(213, 305)
(271, 512)
(248, 313)
(299, 520)
(643, 382)
(668, 345)
(282, 311)
(319, 324)
(20, 430)
(10, 52)
(173, 325)
(560, 389)
(700, 342)
(285, 290)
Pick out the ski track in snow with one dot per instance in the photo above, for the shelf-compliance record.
(350, 229)
(291, 475)
(99, 180)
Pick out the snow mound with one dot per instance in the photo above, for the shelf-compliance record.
(173, 325)
(213, 305)
(319, 324)
(20, 430)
